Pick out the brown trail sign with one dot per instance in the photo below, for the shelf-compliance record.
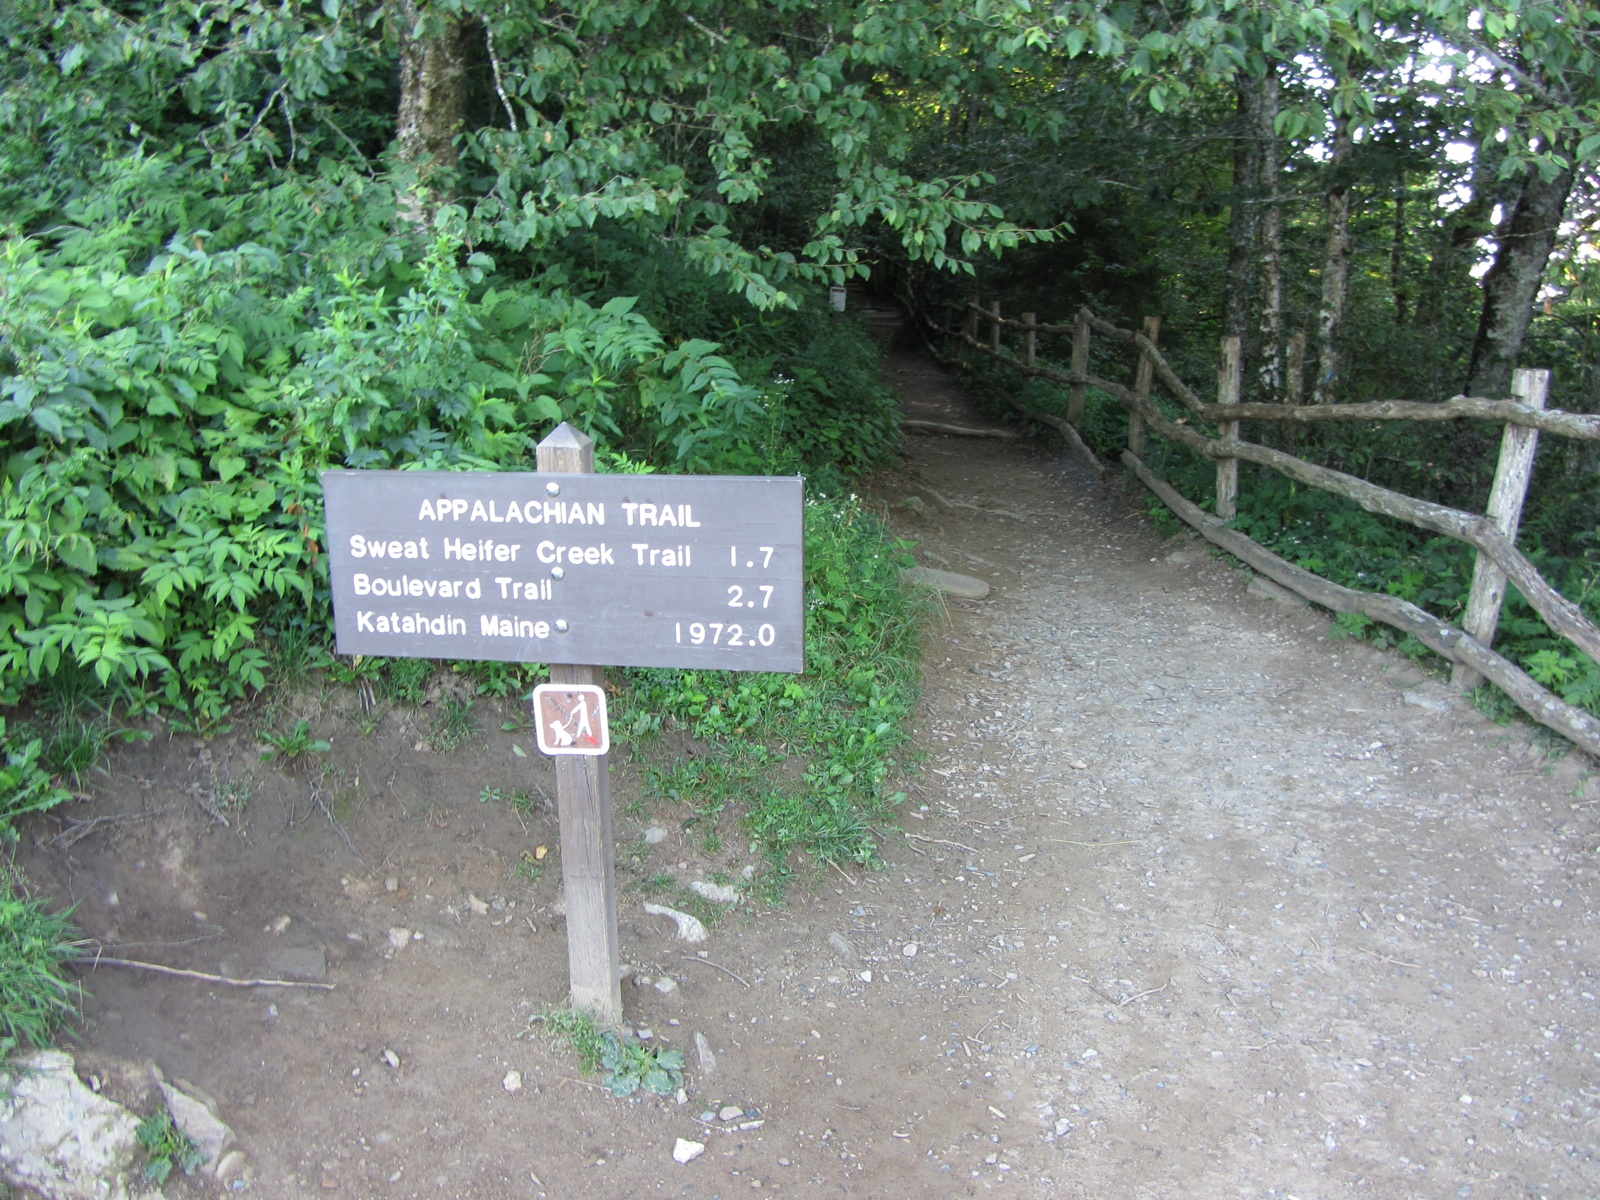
(581, 571)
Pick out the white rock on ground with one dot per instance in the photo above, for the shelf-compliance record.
(689, 928)
(686, 1151)
(717, 893)
(196, 1116)
(63, 1141)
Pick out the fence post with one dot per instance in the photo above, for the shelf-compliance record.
(1143, 377)
(969, 327)
(583, 803)
(994, 327)
(1510, 488)
(1030, 339)
(1080, 368)
(1230, 382)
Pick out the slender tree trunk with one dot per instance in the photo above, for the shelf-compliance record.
(1271, 240)
(1511, 287)
(433, 95)
(1335, 267)
(1242, 215)
(1397, 256)
(1458, 234)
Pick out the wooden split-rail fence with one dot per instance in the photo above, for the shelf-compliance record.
(1492, 535)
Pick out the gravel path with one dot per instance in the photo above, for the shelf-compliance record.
(1253, 913)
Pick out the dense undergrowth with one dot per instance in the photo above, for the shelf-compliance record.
(177, 367)
(1342, 542)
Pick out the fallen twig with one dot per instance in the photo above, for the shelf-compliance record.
(78, 830)
(1142, 995)
(1090, 845)
(1385, 958)
(941, 842)
(718, 966)
(959, 430)
(96, 960)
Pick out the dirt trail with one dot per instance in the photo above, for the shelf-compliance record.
(1191, 902)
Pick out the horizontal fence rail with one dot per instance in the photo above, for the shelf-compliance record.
(1491, 535)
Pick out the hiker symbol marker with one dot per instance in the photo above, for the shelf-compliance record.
(571, 718)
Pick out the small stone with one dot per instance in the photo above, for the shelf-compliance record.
(476, 905)
(399, 938)
(278, 926)
(962, 587)
(390, 1057)
(665, 985)
(1266, 589)
(646, 1034)
(843, 946)
(229, 1165)
(689, 928)
(686, 1151)
(391, 884)
(654, 836)
(729, 1112)
(992, 1159)
(641, 981)
(910, 949)
(1079, 765)
(865, 977)
(707, 1117)
(717, 893)
(1425, 702)
(197, 1117)
(512, 1082)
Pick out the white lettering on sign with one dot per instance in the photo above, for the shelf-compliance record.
(441, 626)
(491, 625)
(408, 585)
(681, 515)
(363, 547)
(662, 556)
(578, 556)
(518, 589)
(529, 512)
(484, 551)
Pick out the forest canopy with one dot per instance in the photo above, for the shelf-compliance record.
(246, 241)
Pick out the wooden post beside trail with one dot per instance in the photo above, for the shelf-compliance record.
(1511, 477)
(1080, 368)
(1143, 377)
(994, 327)
(1230, 384)
(1030, 339)
(1294, 384)
(969, 327)
(583, 802)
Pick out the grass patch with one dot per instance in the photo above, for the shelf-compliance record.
(806, 761)
(35, 998)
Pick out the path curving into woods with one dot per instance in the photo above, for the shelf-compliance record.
(1249, 912)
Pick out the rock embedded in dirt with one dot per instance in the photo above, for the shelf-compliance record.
(729, 1112)
(717, 893)
(702, 1050)
(689, 928)
(962, 587)
(61, 1140)
(1266, 589)
(654, 836)
(686, 1151)
(843, 946)
(512, 1081)
(196, 1115)
(1425, 701)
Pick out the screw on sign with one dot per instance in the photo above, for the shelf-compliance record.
(571, 718)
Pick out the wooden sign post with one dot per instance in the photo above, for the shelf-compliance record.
(574, 569)
(583, 802)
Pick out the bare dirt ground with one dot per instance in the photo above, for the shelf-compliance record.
(1189, 901)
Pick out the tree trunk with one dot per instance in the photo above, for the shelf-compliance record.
(1336, 266)
(1526, 237)
(1458, 234)
(433, 95)
(1242, 213)
(1271, 241)
(1397, 256)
